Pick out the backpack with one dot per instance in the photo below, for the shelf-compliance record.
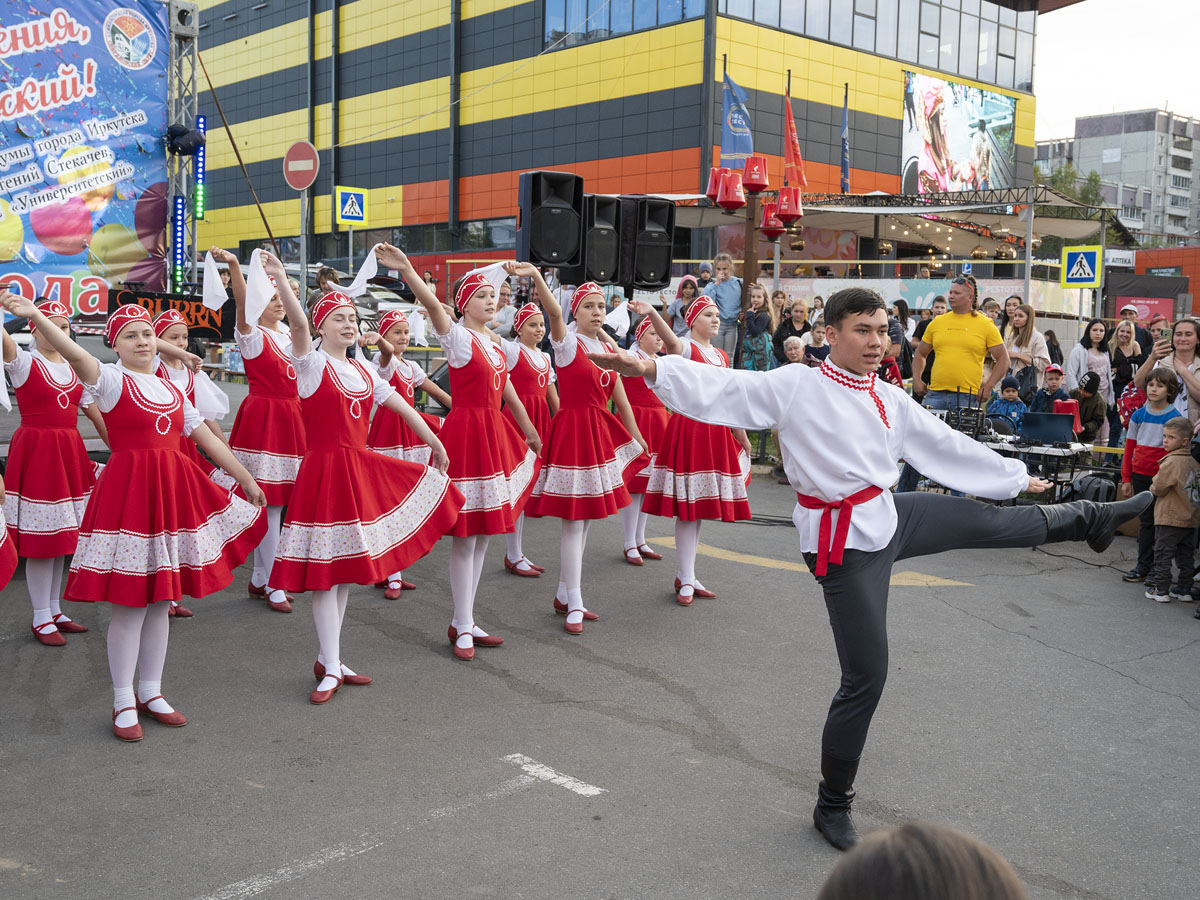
(904, 359)
(1096, 486)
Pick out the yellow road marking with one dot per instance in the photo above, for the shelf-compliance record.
(900, 579)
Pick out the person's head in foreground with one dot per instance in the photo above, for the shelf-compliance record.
(922, 862)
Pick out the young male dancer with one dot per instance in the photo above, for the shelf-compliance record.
(841, 432)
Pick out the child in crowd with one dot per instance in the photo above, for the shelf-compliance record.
(1175, 516)
(888, 370)
(725, 290)
(1143, 451)
(817, 351)
(1009, 406)
(1043, 400)
(1092, 408)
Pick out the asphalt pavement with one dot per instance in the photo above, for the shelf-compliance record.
(1034, 700)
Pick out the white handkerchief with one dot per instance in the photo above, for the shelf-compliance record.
(258, 289)
(214, 291)
(618, 320)
(493, 274)
(4, 400)
(368, 270)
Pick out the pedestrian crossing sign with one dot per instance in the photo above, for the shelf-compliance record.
(1081, 267)
(350, 205)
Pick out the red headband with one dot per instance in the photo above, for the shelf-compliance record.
(470, 284)
(51, 309)
(390, 319)
(327, 304)
(165, 320)
(524, 314)
(698, 306)
(125, 314)
(642, 327)
(588, 287)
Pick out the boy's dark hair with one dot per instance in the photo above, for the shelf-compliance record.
(940, 298)
(1168, 379)
(1181, 425)
(851, 302)
(329, 274)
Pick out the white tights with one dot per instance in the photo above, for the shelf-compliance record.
(574, 542)
(264, 553)
(687, 542)
(137, 640)
(44, 579)
(329, 609)
(633, 522)
(514, 542)
(466, 566)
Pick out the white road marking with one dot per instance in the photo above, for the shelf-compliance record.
(535, 772)
(545, 773)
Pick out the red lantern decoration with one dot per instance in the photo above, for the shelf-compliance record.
(731, 195)
(771, 227)
(714, 182)
(754, 179)
(789, 205)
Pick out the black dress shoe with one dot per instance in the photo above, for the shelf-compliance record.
(835, 793)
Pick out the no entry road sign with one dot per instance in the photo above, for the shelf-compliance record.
(300, 165)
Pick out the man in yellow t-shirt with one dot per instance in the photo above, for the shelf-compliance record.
(960, 339)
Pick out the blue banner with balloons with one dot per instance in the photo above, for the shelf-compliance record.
(83, 167)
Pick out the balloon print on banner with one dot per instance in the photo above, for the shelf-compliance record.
(83, 168)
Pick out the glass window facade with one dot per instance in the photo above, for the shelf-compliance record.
(976, 39)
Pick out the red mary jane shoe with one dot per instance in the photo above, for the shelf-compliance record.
(173, 719)
(702, 593)
(49, 638)
(319, 696)
(684, 599)
(67, 626)
(319, 673)
(647, 553)
(395, 587)
(634, 557)
(490, 640)
(531, 572)
(561, 609)
(130, 734)
(180, 611)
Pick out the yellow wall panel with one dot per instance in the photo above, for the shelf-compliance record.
(264, 52)
(473, 8)
(625, 69)
(360, 117)
(260, 139)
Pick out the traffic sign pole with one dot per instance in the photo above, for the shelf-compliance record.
(303, 279)
(350, 248)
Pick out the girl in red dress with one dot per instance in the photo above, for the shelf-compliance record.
(651, 417)
(268, 432)
(354, 515)
(390, 434)
(532, 377)
(590, 456)
(699, 471)
(48, 475)
(8, 550)
(209, 400)
(155, 527)
(489, 462)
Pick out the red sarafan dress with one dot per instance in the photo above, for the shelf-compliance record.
(155, 527)
(531, 374)
(489, 459)
(699, 470)
(185, 380)
(48, 476)
(588, 458)
(651, 417)
(355, 516)
(8, 555)
(390, 434)
(268, 434)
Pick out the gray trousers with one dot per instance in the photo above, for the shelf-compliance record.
(856, 595)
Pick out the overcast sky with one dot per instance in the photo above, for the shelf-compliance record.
(1104, 55)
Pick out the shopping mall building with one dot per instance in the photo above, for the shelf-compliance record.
(433, 107)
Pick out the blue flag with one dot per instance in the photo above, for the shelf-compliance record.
(736, 140)
(846, 141)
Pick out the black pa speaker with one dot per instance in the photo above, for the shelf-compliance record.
(601, 242)
(647, 236)
(550, 224)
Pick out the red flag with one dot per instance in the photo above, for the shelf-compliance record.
(793, 162)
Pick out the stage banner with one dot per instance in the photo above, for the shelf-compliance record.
(83, 167)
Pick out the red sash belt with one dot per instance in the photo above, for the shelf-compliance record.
(831, 544)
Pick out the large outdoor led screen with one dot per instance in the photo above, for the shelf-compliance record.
(956, 137)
